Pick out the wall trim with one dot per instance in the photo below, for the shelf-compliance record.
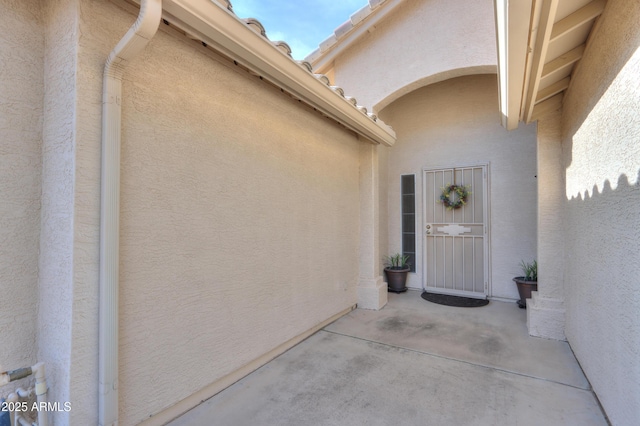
(219, 385)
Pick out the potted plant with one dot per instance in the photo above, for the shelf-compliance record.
(396, 271)
(527, 283)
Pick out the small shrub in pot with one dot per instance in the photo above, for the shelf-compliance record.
(396, 271)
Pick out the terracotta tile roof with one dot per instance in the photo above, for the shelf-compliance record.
(357, 17)
(345, 29)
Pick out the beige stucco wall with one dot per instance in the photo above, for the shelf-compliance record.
(240, 216)
(455, 123)
(550, 218)
(456, 37)
(383, 215)
(66, 338)
(601, 145)
(545, 310)
(240, 211)
(21, 92)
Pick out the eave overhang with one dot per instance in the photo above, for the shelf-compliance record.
(513, 20)
(540, 44)
(220, 29)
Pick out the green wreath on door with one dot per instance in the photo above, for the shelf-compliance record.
(460, 190)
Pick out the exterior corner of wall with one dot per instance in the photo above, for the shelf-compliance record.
(21, 112)
(372, 294)
(545, 318)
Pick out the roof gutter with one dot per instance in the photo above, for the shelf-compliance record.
(134, 41)
(219, 28)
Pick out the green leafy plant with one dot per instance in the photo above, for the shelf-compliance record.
(397, 261)
(530, 270)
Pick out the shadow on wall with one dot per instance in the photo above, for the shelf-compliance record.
(602, 144)
(603, 235)
(601, 128)
(601, 282)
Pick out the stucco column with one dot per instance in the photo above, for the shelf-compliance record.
(545, 310)
(372, 290)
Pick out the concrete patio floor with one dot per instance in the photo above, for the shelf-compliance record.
(413, 363)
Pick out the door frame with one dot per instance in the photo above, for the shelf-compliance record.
(487, 216)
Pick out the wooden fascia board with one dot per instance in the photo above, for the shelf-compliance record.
(545, 25)
(543, 108)
(563, 61)
(577, 18)
(223, 31)
(594, 30)
(552, 90)
(512, 35)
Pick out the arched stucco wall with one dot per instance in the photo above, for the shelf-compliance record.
(456, 37)
(452, 123)
(433, 79)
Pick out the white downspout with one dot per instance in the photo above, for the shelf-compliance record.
(131, 45)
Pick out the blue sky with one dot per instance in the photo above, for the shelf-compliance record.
(302, 24)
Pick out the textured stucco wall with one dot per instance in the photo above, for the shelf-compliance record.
(601, 145)
(455, 123)
(456, 37)
(240, 214)
(21, 91)
(56, 279)
(550, 218)
(545, 309)
(383, 201)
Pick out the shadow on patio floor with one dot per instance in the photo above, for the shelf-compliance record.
(413, 363)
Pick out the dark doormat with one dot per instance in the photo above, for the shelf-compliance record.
(447, 299)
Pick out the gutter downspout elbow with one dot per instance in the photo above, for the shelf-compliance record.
(134, 41)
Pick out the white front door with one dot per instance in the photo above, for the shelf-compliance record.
(455, 243)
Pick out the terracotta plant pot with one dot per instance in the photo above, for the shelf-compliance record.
(524, 289)
(397, 279)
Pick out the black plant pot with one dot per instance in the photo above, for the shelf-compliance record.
(524, 289)
(397, 279)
